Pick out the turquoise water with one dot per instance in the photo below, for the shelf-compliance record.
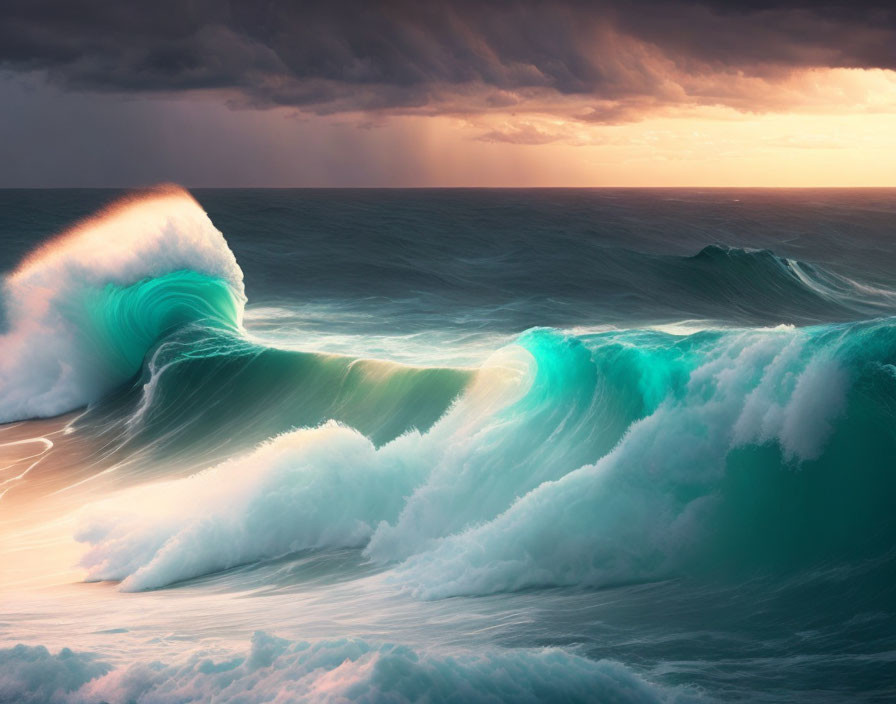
(450, 446)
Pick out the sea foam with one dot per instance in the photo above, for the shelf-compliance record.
(351, 670)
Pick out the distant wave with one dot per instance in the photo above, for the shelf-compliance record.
(759, 277)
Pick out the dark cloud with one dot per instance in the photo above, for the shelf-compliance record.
(524, 134)
(344, 55)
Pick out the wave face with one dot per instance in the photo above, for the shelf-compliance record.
(378, 398)
(83, 310)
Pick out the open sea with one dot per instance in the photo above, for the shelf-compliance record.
(551, 445)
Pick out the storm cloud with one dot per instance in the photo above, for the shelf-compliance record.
(601, 62)
(420, 92)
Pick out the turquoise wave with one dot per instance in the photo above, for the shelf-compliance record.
(745, 450)
(118, 325)
(239, 393)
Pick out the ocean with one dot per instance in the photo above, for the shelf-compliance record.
(460, 445)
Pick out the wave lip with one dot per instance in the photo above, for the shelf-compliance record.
(82, 310)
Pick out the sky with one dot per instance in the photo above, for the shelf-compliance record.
(120, 93)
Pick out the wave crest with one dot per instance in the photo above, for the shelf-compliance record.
(82, 311)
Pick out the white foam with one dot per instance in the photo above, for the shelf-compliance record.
(326, 672)
(311, 488)
(645, 507)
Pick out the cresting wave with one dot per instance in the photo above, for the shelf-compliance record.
(82, 311)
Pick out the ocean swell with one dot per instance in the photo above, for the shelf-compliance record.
(755, 285)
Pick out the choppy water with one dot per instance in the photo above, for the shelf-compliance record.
(459, 445)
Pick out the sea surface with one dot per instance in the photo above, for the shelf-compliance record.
(447, 446)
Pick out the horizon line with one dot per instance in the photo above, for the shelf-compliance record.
(449, 188)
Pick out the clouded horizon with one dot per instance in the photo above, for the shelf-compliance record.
(243, 93)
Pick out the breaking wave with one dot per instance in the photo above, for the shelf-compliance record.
(83, 310)
(566, 459)
(569, 460)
